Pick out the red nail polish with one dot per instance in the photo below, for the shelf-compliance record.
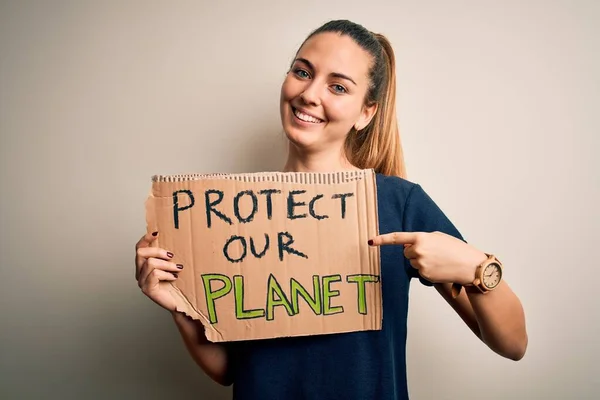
(154, 233)
(179, 266)
(370, 242)
(174, 274)
(169, 254)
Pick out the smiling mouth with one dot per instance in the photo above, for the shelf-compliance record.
(305, 117)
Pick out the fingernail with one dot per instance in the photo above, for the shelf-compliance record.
(179, 266)
(169, 254)
(154, 233)
(370, 242)
(174, 274)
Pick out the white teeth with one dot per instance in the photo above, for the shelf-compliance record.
(306, 117)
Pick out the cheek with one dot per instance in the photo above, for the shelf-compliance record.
(343, 110)
(288, 89)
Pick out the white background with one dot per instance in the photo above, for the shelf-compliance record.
(498, 103)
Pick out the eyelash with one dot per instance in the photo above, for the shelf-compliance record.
(339, 88)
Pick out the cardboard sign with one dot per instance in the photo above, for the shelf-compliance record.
(271, 254)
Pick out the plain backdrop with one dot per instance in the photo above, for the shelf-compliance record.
(498, 103)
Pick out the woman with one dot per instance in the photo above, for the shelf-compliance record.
(338, 112)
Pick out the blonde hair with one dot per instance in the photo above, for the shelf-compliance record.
(378, 145)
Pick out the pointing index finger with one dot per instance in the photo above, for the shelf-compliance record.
(394, 238)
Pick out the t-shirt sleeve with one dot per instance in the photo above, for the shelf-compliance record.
(422, 214)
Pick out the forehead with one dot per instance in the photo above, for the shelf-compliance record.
(334, 53)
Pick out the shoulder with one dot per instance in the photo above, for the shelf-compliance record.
(393, 194)
(394, 185)
(393, 189)
(419, 212)
(403, 190)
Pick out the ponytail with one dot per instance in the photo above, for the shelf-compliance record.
(378, 145)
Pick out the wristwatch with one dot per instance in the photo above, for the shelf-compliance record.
(488, 276)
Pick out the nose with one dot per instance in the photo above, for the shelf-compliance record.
(311, 96)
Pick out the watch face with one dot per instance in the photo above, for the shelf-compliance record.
(492, 275)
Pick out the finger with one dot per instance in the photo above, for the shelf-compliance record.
(157, 263)
(146, 240)
(394, 238)
(145, 253)
(155, 277)
(156, 252)
(154, 264)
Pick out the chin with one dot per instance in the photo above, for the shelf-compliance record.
(301, 139)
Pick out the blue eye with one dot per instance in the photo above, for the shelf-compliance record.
(302, 73)
(339, 89)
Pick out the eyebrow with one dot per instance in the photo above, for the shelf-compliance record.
(334, 74)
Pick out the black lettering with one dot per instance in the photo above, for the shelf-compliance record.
(292, 204)
(244, 248)
(211, 204)
(311, 208)
(342, 196)
(264, 251)
(176, 207)
(285, 246)
(236, 206)
(268, 193)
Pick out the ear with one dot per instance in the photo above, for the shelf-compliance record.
(366, 115)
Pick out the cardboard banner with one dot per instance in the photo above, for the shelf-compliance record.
(270, 255)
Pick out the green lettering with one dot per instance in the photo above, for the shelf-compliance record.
(298, 290)
(211, 295)
(328, 294)
(240, 313)
(360, 281)
(273, 288)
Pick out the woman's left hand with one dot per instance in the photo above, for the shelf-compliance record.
(439, 257)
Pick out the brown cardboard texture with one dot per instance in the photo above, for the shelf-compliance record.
(271, 254)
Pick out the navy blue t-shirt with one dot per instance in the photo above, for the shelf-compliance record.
(357, 365)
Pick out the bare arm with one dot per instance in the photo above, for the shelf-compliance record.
(496, 317)
(211, 357)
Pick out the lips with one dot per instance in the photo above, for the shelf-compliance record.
(305, 117)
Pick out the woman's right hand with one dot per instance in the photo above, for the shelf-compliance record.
(153, 269)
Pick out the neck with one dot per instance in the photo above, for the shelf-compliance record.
(333, 160)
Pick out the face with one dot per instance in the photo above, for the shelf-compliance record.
(323, 95)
